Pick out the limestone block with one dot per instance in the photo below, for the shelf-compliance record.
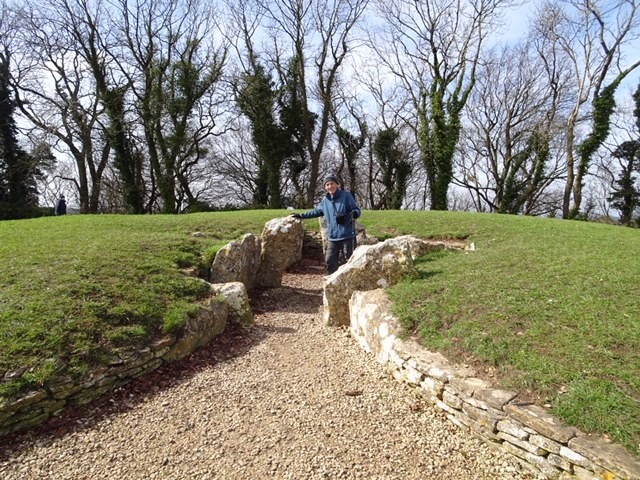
(558, 461)
(371, 324)
(432, 387)
(24, 401)
(369, 268)
(523, 444)
(494, 398)
(541, 421)
(608, 455)
(451, 399)
(539, 462)
(412, 375)
(419, 247)
(585, 474)
(238, 261)
(468, 385)
(447, 408)
(235, 294)
(487, 417)
(575, 457)
(281, 247)
(200, 330)
(546, 443)
(513, 428)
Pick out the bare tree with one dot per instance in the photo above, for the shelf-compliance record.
(173, 68)
(433, 49)
(55, 90)
(591, 36)
(390, 111)
(506, 156)
(319, 34)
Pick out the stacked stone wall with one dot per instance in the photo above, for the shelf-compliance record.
(529, 432)
(39, 405)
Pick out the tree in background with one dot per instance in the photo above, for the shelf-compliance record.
(350, 147)
(53, 86)
(625, 196)
(394, 167)
(318, 33)
(173, 70)
(433, 48)
(590, 36)
(276, 115)
(505, 157)
(293, 117)
(256, 99)
(18, 169)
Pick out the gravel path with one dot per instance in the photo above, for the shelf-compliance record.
(289, 398)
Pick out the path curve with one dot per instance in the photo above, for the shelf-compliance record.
(288, 399)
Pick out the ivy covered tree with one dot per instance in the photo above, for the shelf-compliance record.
(256, 98)
(626, 195)
(18, 169)
(292, 118)
(394, 167)
(351, 144)
(527, 175)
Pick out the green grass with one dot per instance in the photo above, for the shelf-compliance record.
(550, 308)
(75, 290)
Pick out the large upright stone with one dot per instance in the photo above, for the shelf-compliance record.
(237, 261)
(235, 294)
(370, 267)
(282, 240)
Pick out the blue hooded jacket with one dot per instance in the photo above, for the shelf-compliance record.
(342, 203)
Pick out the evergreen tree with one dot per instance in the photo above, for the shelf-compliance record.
(394, 166)
(256, 98)
(291, 110)
(351, 145)
(18, 169)
(626, 195)
(526, 176)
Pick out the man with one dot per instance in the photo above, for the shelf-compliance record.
(61, 206)
(340, 210)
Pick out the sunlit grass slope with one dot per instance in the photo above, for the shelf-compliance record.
(548, 307)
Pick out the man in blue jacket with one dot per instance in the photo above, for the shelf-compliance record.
(340, 210)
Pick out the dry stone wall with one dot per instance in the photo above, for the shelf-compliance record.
(526, 431)
(37, 406)
(238, 267)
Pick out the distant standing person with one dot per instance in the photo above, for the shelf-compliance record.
(61, 206)
(340, 210)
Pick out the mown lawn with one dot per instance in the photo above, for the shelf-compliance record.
(548, 307)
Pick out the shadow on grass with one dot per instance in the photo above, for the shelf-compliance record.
(424, 275)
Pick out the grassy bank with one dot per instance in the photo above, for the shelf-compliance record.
(76, 289)
(548, 307)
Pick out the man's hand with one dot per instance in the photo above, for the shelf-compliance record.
(354, 214)
(296, 216)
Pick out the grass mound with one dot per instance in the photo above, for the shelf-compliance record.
(550, 308)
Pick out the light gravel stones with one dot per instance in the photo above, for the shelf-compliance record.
(288, 398)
